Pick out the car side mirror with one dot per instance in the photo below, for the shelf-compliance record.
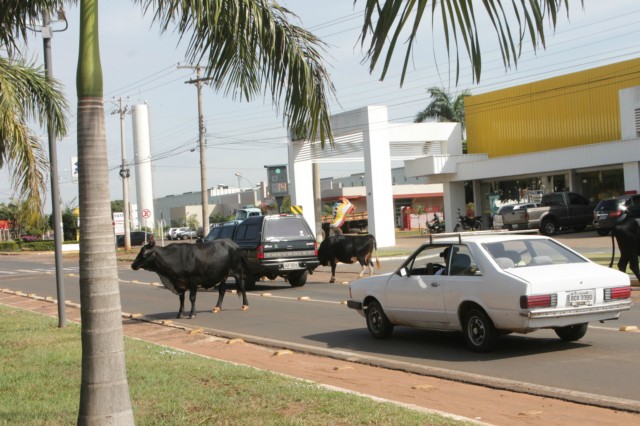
(402, 272)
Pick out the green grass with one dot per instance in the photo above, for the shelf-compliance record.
(40, 384)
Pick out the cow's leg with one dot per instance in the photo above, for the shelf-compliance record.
(333, 271)
(181, 310)
(241, 290)
(362, 262)
(193, 291)
(222, 290)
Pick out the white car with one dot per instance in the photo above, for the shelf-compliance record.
(489, 285)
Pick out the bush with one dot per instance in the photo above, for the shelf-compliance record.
(38, 246)
(9, 246)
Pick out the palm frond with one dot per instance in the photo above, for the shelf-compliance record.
(26, 94)
(385, 22)
(249, 47)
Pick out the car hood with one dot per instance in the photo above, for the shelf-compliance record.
(572, 276)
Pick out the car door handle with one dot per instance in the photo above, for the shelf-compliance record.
(435, 284)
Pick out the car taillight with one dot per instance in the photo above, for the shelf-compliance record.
(315, 249)
(539, 301)
(260, 252)
(526, 215)
(617, 293)
(616, 213)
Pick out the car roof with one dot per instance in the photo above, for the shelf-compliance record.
(489, 237)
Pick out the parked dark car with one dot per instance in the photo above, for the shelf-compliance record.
(608, 211)
(276, 246)
(138, 238)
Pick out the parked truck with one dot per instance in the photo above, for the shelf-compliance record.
(557, 210)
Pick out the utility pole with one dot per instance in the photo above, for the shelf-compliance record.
(203, 154)
(124, 174)
(47, 34)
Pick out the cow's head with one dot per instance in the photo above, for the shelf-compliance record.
(145, 258)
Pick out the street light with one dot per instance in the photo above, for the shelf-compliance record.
(47, 34)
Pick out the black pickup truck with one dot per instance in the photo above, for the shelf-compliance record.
(557, 210)
(276, 246)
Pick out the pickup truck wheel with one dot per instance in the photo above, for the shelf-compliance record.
(297, 279)
(479, 333)
(571, 333)
(549, 227)
(249, 281)
(377, 322)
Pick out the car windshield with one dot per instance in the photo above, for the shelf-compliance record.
(528, 252)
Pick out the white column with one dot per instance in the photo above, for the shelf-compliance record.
(300, 174)
(453, 200)
(631, 173)
(142, 155)
(377, 172)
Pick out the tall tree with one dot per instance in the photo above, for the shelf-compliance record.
(248, 47)
(443, 107)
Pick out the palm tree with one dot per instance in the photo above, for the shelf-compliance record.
(443, 107)
(246, 45)
(25, 93)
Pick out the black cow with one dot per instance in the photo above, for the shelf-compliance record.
(183, 267)
(348, 249)
(627, 234)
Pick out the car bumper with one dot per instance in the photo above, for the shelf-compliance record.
(568, 316)
(354, 305)
(285, 267)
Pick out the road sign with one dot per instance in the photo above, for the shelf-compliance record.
(146, 213)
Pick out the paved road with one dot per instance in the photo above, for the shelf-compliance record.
(314, 318)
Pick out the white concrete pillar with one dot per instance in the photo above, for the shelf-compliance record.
(377, 172)
(300, 173)
(631, 173)
(453, 200)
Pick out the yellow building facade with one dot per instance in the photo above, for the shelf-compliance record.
(571, 110)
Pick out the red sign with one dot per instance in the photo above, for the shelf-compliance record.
(146, 213)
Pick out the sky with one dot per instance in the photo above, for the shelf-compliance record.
(141, 65)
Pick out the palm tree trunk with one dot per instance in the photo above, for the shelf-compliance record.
(104, 392)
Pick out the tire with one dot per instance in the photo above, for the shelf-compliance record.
(479, 333)
(297, 279)
(377, 322)
(249, 281)
(477, 225)
(571, 333)
(603, 232)
(549, 227)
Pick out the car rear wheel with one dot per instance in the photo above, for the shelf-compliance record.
(479, 333)
(297, 279)
(549, 227)
(377, 322)
(603, 232)
(571, 333)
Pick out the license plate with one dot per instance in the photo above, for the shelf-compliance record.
(514, 226)
(602, 216)
(291, 265)
(583, 297)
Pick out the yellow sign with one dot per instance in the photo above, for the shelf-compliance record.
(296, 209)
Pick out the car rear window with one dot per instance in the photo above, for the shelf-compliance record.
(520, 253)
(291, 228)
(607, 205)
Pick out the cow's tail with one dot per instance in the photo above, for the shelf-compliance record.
(613, 248)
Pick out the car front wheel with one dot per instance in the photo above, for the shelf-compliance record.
(571, 333)
(297, 279)
(479, 333)
(377, 322)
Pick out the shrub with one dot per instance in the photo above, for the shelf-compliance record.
(9, 246)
